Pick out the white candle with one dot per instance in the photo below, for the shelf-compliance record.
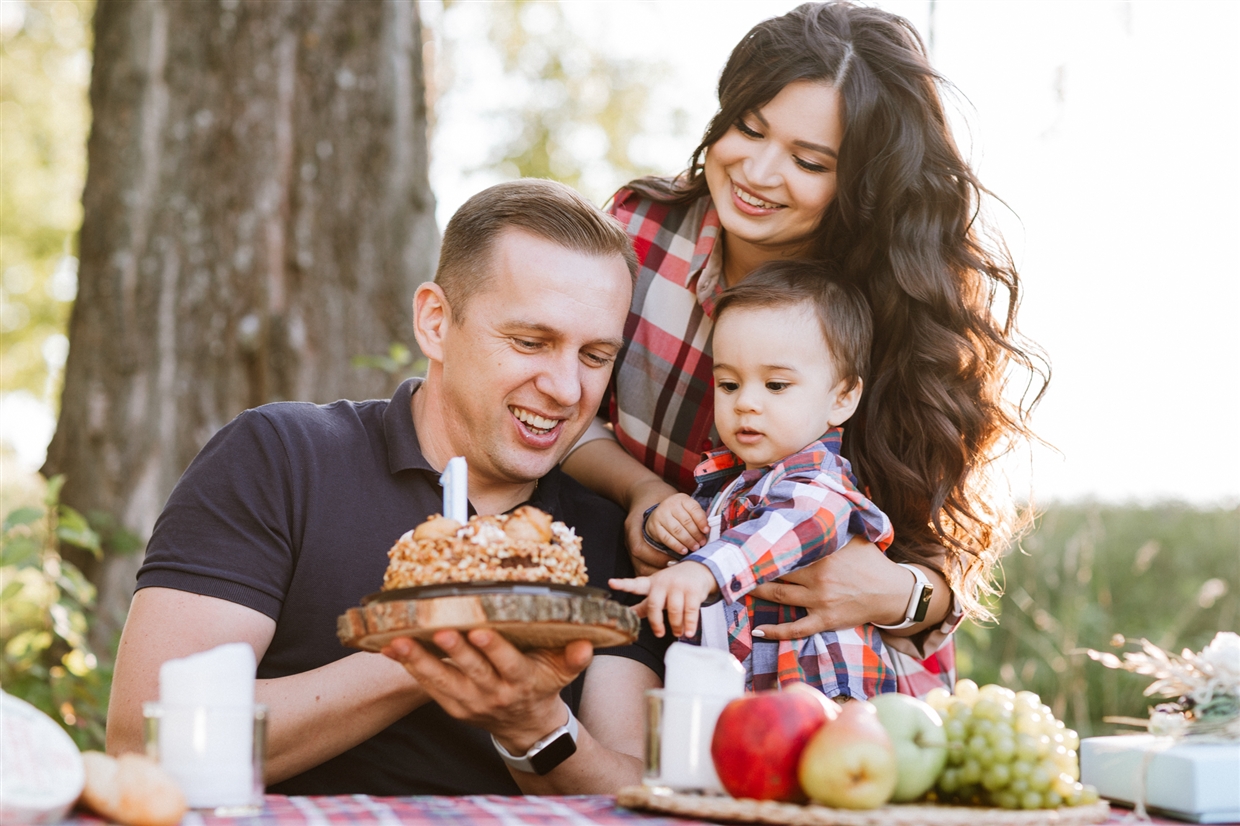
(206, 726)
(455, 481)
(698, 683)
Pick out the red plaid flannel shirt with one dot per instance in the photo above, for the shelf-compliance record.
(661, 403)
(779, 519)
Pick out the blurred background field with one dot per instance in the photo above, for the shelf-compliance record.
(1054, 100)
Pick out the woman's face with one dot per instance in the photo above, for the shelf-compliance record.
(772, 174)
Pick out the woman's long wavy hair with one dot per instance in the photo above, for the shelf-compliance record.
(905, 224)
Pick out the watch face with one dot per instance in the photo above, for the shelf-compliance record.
(923, 603)
(555, 753)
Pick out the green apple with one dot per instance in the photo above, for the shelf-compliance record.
(850, 763)
(916, 732)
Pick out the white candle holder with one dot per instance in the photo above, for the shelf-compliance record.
(215, 753)
(678, 730)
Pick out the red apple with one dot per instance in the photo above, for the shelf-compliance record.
(759, 738)
(850, 764)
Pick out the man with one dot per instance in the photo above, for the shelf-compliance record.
(284, 521)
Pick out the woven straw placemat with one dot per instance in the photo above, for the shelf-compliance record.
(792, 814)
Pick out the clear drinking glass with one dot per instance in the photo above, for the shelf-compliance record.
(678, 731)
(215, 753)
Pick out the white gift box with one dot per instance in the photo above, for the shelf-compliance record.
(1198, 782)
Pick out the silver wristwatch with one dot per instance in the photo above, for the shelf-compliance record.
(918, 603)
(548, 752)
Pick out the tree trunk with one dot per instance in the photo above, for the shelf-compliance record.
(256, 213)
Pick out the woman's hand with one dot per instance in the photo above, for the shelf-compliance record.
(679, 523)
(650, 491)
(856, 585)
(607, 469)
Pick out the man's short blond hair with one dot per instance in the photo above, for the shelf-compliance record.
(545, 209)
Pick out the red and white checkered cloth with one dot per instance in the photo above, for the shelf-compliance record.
(489, 810)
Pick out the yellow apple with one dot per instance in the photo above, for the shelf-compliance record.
(850, 763)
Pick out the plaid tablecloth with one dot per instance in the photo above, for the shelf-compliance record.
(484, 810)
(488, 810)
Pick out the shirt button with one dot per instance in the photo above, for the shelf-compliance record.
(736, 584)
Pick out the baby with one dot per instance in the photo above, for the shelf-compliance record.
(791, 347)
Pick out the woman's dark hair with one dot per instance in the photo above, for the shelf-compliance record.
(905, 225)
(840, 308)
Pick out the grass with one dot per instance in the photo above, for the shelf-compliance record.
(1090, 574)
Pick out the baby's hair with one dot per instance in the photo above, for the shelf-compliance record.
(842, 310)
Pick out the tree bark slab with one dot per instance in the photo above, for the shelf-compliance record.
(526, 620)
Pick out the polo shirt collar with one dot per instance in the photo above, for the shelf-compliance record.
(403, 450)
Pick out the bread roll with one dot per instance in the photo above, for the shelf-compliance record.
(131, 789)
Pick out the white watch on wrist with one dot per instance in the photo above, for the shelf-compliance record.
(548, 752)
(918, 603)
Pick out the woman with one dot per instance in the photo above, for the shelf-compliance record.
(831, 143)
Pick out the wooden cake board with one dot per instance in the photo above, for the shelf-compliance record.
(527, 616)
(730, 809)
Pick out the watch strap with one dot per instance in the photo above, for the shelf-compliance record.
(548, 752)
(919, 600)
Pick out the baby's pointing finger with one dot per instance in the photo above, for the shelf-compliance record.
(638, 585)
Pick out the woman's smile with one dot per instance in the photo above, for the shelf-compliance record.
(752, 204)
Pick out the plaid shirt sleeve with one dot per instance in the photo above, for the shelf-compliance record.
(661, 400)
(797, 519)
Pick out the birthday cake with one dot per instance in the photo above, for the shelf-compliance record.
(522, 546)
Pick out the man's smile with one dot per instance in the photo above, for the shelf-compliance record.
(539, 425)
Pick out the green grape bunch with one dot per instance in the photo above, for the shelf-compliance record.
(1005, 748)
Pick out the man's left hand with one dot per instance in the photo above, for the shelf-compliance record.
(488, 683)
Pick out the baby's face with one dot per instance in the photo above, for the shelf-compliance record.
(776, 389)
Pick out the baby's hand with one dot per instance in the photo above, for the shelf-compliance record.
(679, 523)
(680, 588)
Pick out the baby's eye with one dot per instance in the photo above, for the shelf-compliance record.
(726, 386)
(745, 130)
(777, 386)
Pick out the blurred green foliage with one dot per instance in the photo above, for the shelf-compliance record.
(572, 111)
(1091, 572)
(44, 118)
(398, 363)
(46, 613)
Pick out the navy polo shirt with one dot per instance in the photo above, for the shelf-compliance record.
(290, 510)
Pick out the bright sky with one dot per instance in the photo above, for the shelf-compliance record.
(1110, 129)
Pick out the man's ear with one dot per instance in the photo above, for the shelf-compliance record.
(846, 402)
(431, 319)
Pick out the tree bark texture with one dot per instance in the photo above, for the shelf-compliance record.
(526, 620)
(257, 212)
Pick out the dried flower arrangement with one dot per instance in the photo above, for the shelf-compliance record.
(1205, 685)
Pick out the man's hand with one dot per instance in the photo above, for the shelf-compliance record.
(651, 491)
(679, 523)
(488, 683)
(680, 589)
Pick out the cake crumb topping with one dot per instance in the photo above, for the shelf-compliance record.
(522, 546)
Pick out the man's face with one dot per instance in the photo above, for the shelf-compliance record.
(524, 371)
